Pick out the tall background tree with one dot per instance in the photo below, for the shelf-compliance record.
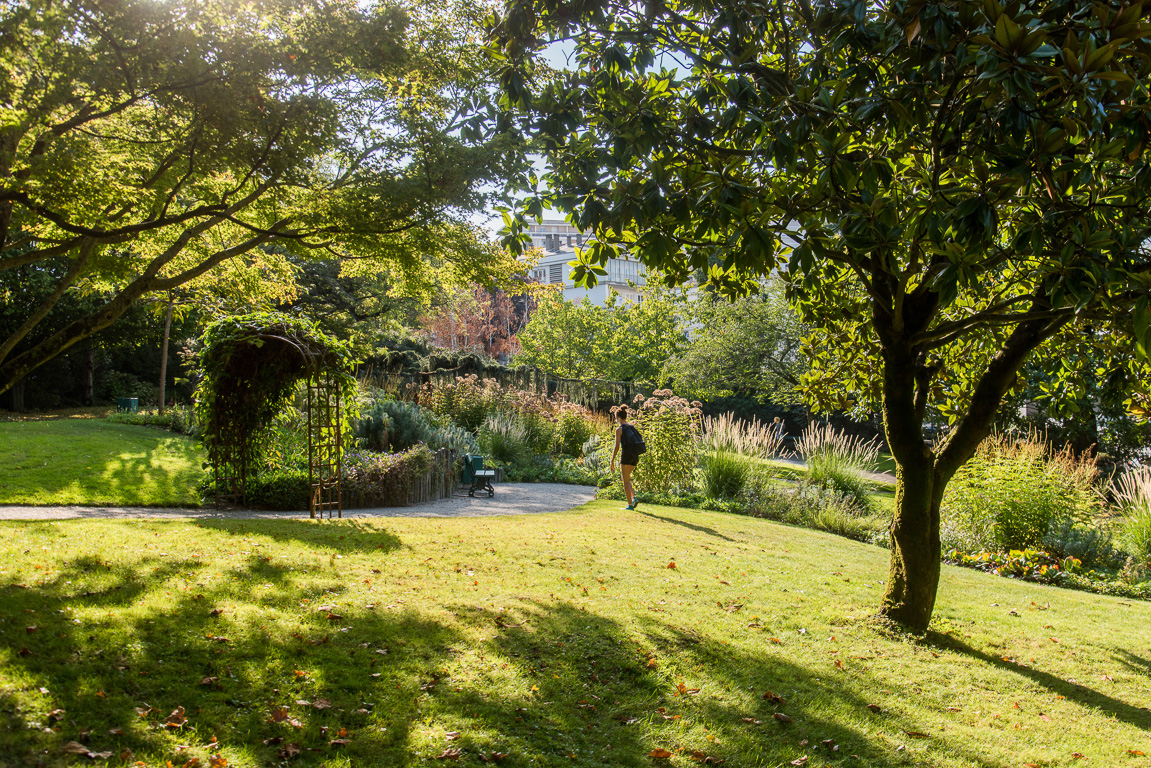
(946, 186)
(146, 143)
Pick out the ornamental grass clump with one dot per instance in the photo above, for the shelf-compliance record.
(1132, 493)
(839, 461)
(724, 473)
(505, 439)
(671, 429)
(752, 437)
(1013, 491)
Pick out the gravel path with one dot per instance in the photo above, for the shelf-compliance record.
(510, 499)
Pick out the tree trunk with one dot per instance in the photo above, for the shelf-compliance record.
(88, 396)
(164, 355)
(18, 396)
(913, 576)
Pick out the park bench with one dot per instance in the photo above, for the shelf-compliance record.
(479, 478)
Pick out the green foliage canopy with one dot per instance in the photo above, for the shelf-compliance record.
(150, 142)
(945, 186)
(620, 340)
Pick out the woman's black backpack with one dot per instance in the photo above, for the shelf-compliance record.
(634, 439)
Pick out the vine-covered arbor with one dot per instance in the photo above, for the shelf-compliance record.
(251, 367)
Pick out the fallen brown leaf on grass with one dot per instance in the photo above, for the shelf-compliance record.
(875, 708)
(671, 565)
(450, 754)
(76, 748)
(781, 717)
(916, 734)
(288, 751)
(209, 680)
(773, 698)
(800, 761)
(659, 754)
(706, 759)
(116, 731)
(216, 612)
(279, 715)
(751, 720)
(339, 742)
(321, 704)
(218, 761)
(176, 719)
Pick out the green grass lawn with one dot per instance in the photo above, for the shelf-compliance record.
(557, 639)
(92, 461)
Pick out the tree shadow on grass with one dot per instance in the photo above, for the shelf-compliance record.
(594, 693)
(348, 535)
(1136, 664)
(112, 683)
(1072, 691)
(268, 676)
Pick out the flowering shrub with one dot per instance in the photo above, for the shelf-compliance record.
(382, 479)
(470, 400)
(670, 427)
(573, 429)
(1012, 491)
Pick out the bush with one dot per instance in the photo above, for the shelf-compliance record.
(573, 430)
(1012, 491)
(811, 506)
(373, 428)
(670, 428)
(838, 461)
(466, 400)
(178, 418)
(382, 479)
(285, 489)
(725, 474)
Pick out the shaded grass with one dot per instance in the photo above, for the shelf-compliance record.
(554, 638)
(93, 461)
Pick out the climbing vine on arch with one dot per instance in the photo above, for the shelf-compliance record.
(250, 368)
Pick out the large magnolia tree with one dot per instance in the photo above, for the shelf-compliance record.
(148, 142)
(964, 183)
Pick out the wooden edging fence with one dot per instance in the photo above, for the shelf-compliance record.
(439, 482)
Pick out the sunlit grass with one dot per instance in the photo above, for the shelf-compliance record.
(558, 639)
(92, 461)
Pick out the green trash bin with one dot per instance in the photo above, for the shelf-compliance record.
(127, 404)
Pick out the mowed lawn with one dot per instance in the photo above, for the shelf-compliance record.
(92, 461)
(543, 640)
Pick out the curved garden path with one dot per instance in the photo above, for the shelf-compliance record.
(510, 499)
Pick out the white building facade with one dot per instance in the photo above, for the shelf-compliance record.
(559, 240)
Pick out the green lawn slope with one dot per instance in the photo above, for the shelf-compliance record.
(95, 462)
(555, 640)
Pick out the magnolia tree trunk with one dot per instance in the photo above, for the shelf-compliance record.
(913, 577)
(925, 469)
(164, 356)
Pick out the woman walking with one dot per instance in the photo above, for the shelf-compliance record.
(628, 438)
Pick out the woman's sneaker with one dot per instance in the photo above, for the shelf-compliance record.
(628, 508)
